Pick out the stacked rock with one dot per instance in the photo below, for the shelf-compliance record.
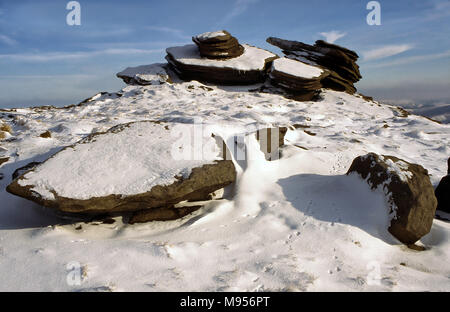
(339, 61)
(303, 79)
(218, 45)
(217, 57)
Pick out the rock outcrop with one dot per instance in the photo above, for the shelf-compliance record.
(154, 74)
(218, 45)
(300, 78)
(442, 192)
(247, 67)
(339, 61)
(409, 192)
(131, 167)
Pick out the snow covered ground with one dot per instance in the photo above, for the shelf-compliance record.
(294, 224)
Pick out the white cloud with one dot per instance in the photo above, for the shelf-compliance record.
(173, 31)
(411, 59)
(333, 35)
(61, 56)
(386, 51)
(7, 40)
(239, 7)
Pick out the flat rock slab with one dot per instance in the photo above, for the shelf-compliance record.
(248, 68)
(154, 74)
(131, 167)
(409, 193)
(297, 76)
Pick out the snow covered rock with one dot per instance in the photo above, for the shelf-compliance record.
(248, 68)
(131, 167)
(218, 45)
(154, 74)
(297, 76)
(442, 191)
(409, 192)
(341, 62)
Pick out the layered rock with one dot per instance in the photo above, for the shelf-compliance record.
(298, 77)
(218, 45)
(339, 61)
(442, 192)
(409, 193)
(154, 74)
(248, 68)
(131, 167)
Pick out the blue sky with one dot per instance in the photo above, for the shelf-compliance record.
(44, 61)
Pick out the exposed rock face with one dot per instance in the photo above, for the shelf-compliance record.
(218, 45)
(19, 171)
(442, 192)
(3, 160)
(248, 68)
(131, 167)
(409, 193)
(298, 77)
(339, 61)
(154, 74)
(161, 214)
(45, 135)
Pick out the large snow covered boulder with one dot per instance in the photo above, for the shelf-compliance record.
(218, 45)
(409, 192)
(154, 74)
(297, 76)
(131, 167)
(442, 192)
(339, 61)
(248, 68)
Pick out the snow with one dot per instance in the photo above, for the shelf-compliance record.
(400, 168)
(294, 224)
(296, 68)
(210, 35)
(252, 58)
(129, 162)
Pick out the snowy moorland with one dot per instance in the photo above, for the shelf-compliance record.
(294, 224)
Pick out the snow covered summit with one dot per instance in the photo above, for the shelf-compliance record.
(291, 224)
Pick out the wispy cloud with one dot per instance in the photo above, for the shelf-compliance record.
(386, 51)
(107, 32)
(333, 35)
(46, 76)
(412, 59)
(239, 7)
(168, 30)
(61, 56)
(439, 10)
(7, 40)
